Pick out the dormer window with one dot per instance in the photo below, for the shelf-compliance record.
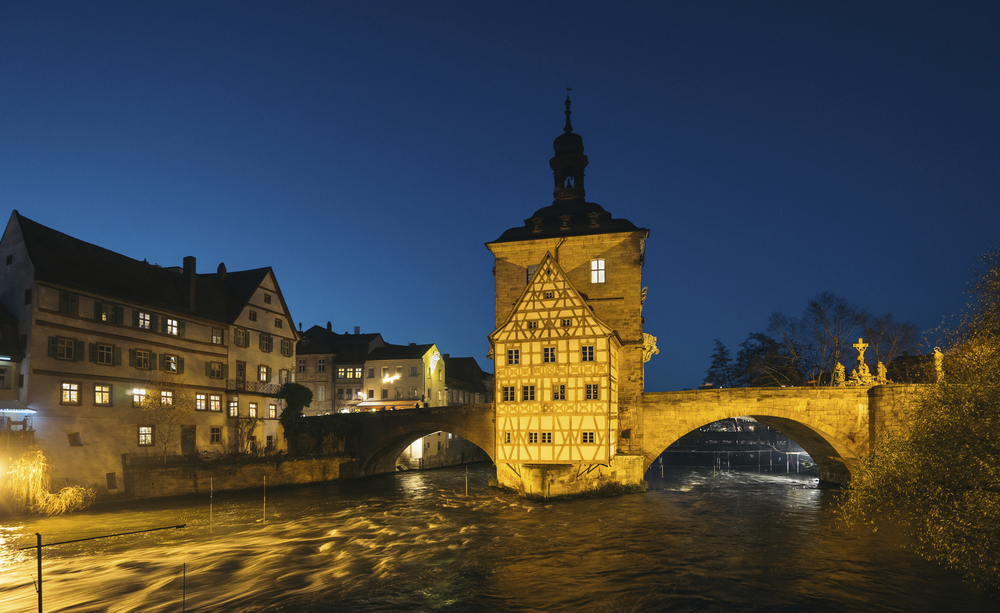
(594, 219)
(536, 224)
(564, 219)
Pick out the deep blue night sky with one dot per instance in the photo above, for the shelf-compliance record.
(774, 149)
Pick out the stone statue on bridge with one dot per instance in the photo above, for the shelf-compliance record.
(938, 365)
(838, 374)
(882, 377)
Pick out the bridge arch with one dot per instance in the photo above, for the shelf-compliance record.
(830, 424)
(379, 438)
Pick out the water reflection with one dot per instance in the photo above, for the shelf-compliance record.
(414, 541)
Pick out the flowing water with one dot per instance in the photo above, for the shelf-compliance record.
(697, 541)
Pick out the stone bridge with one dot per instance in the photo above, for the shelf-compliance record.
(833, 424)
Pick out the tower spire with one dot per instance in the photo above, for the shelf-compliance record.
(569, 161)
(569, 127)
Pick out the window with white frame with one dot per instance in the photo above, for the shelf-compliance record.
(171, 326)
(597, 271)
(513, 356)
(200, 402)
(588, 437)
(215, 403)
(218, 336)
(263, 373)
(105, 354)
(587, 353)
(234, 408)
(532, 437)
(102, 394)
(527, 392)
(272, 411)
(321, 365)
(145, 436)
(166, 398)
(592, 391)
(145, 320)
(138, 397)
(302, 365)
(546, 437)
(548, 354)
(558, 392)
(70, 393)
(321, 393)
(252, 411)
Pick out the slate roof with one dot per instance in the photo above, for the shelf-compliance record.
(70, 262)
(399, 352)
(344, 347)
(464, 373)
(551, 223)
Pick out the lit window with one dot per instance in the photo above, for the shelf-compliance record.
(342, 373)
(592, 391)
(558, 392)
(138, 397)
(263, 373)
(234, 408)
(272, 411)
(70, 393)
(532, 437)
(200, 402)
(170, 363)
(216, 435)
(597, 271)
(357, 373)
(171, 326)
(588, 437)
(218, 336)
(166, 398)
(548, 354)
(253, 409)
(546, 437)
(145, 436)
(528, 392)
(144, 321)
(102, 394)
(587, 353)
(214, 403)
(513, 356)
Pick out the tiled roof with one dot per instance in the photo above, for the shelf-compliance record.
(70, 262)
(577, 214)
(399, 352)
(345, 347)
(464, 373)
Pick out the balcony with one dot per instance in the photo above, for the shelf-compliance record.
(255, 387)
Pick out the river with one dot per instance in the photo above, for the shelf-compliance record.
(697, 541)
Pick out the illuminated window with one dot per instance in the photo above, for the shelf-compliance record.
(357, 372)
(218, 336)
(109, 313)
(302, 365)
(144, 321)
(587, 353)
(170, 363)
(171, 326)
(597, 271)
(321, 365)
(145, 436)
(528, 392)
(105, 354)
(272, 411)
(214, 403)
(138, 397)
(532, 437)
(234, 408)
(592, 391)
(70, 393)
(216, 435)
(588, 437)
(200, 402)
(546, 437)
(513, 356)
(558, 392)
(385, 372)
(548, 354)
(263, 373)
(253, 409)
(166, 398)
(341, 373)
(102, 394)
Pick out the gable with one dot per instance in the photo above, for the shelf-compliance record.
(548, 302)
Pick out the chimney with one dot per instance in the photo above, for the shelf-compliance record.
(221, 271)
(329, 326)
(189, 280)
(357, 329)
(445, 356)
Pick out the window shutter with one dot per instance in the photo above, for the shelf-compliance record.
(180, 327)
(131, 357)
(208, 369)
(225, 371)
(116, 356)
(154, 322)
(97, 310)
(260, 338)
(152, 361)
(268, 374)
(78, 354)
(180, 366)
(135, 318)
(93, 353)
(53, 346)
(119, 314)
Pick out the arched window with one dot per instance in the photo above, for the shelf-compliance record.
(597, 271)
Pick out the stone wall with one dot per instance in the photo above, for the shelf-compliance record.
(552, 480)
(200, 479)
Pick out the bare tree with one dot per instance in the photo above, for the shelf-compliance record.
(815, 342)
(890, 339)
(243, 430)
(164, 404)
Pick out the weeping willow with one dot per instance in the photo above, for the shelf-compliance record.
(25, 489)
